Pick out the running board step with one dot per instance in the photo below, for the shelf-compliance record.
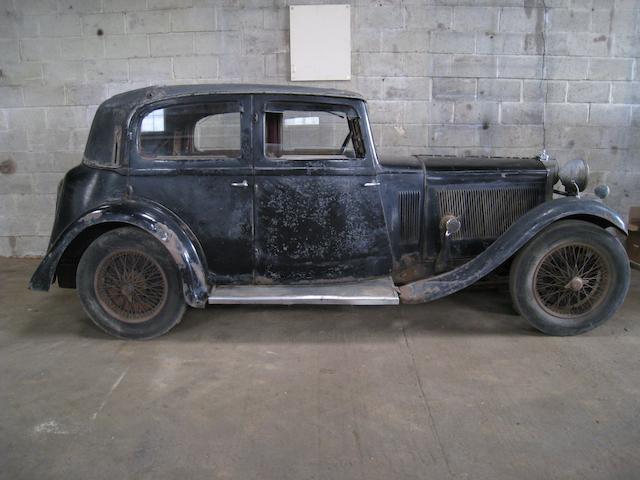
(379, 291)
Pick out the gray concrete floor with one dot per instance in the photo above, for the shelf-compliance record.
(460, 388)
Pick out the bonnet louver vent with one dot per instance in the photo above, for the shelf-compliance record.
(409, 203)
(487, 214)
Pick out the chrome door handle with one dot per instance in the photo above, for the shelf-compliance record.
(243, 184)
(372, 184)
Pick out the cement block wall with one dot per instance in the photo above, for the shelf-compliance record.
(489, 77)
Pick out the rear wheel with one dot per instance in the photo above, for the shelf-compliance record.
(570, 278)
(129, 285)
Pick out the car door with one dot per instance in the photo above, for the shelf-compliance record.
(318, 212)
(194, 157)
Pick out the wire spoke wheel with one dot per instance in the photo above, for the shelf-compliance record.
(131, 286)
(571, 280)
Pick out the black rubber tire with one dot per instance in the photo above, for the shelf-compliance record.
(560, 234)
(133, 239)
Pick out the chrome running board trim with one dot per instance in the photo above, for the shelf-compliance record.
(379, 291)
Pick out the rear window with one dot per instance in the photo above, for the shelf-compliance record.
(203, 130)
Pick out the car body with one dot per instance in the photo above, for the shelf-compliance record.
(267, 194)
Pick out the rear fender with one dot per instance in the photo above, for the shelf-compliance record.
(523, 230)
(156, 220)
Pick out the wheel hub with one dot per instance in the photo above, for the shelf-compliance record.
(127, 290)
(575, 284)
(571, 280)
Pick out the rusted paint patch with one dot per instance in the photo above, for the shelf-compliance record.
(409, 268)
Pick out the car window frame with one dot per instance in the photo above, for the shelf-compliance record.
(312, 103)
(139, 162)
(311, 108)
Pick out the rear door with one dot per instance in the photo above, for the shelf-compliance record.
(318, 211)
(194, 157)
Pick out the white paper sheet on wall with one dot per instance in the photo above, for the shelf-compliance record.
(320, 38)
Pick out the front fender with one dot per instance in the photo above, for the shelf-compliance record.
(156, 220)
(523, 230)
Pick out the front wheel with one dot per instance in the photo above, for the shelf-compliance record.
(570, 278)
(129, 285)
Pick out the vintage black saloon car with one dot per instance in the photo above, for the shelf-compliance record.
(218, 194)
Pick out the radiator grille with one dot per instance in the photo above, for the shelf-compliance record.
(409, 216)
(486, 214)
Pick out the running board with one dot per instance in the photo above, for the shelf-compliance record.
(379, 291)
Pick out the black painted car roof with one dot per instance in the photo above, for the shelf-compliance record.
(140, 96)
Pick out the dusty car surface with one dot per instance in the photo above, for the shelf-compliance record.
(198, 194)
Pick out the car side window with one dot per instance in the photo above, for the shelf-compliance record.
(297, 134)
(191, 131)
